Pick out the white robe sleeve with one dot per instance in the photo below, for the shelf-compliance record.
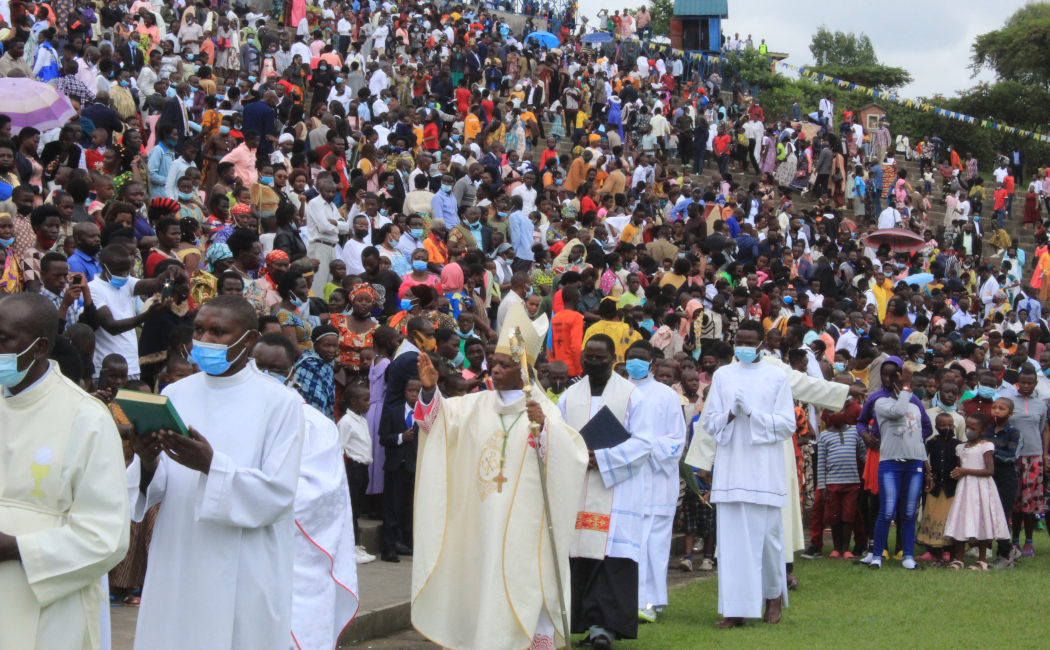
(625, 460)
(716, 416)
(668, 447)
(777, 425)
(140, 502)
(249, 497)
(813, 390)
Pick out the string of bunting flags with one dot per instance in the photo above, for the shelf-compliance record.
(876, 94)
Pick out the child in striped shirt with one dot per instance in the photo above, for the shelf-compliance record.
(839, 450)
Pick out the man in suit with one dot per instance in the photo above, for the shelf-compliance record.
(103, 116)
(397, 433)
(968, 242)
(259, 117)
(174, 111)
(534, 98)
(474, 64)
(132, 57)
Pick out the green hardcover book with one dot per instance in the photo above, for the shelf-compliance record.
(150, 413)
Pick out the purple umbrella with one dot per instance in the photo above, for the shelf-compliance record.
(32, 103)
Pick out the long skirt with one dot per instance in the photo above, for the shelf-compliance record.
(934, 514)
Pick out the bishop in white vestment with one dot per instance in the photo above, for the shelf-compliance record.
(220, 563)
(483, 574)
(607, 545)
(749, 482)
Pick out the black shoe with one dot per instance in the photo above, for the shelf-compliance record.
(390, 556)
(401, 549)
(812, 553)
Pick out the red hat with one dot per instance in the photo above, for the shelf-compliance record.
(164, 205)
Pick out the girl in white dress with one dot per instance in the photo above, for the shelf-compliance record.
(976, 515)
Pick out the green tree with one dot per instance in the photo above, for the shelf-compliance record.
(852, 57)
(661, 12)
(1020, 51)
(842, 49)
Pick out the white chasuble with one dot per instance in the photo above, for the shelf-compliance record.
(483, 571)
(64, 499)
(324, 599)
(220, 562)
(609, 521)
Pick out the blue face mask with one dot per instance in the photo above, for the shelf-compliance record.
(458, 361)
(294, 299)
(417, 233)
(185, 196)
(211, 357)
(125, 84)
(447, 189)
(10, 375)
(986, 392)
(502, 214)
(637, 369)
(339, 80)
(839, 367)
(251, 79)
(419, 265)
(746, 354)
(224, 130)
(7, 242)
(529, 292)
(276, 375)
(266, 180)
(117, 281)
(558, 181)
(405, 304)
(465, 335)
(390, 187)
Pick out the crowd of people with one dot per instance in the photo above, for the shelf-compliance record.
(329, 236)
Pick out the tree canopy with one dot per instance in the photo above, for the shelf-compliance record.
(1020, 50)
(852, 57)
(661, 12)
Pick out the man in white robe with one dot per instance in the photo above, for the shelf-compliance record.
(483, 574)
(749, 482)
(607, 545)
(821, 394)
(660, 475)
(220, 563)
(64, 507)
(324, 596)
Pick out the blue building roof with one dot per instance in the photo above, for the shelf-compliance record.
(701, 8)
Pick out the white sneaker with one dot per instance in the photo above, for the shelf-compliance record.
(707, 565)
(648, 614)
(908, 563)
(1015, 552)
(363, 556)
(868, 559)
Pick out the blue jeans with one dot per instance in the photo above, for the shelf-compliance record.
(999, 214)
(898, 480)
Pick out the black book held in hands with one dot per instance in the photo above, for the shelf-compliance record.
(603, 431)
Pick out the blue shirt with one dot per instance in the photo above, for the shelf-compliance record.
(444, 207)
(1035, 309)
(679, 211)
(521, 236)
(160, 160)
(79, 262)
(876, 173)
(734, 227)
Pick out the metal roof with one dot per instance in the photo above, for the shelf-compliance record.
(701, 8)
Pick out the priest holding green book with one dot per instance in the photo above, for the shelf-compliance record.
(220, 562)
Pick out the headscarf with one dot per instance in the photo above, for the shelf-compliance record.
(363, 288)
(687, 322)
(276, 255)
(240, 208)
(452, 278)
(217, 253)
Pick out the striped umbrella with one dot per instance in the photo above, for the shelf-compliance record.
(32, 103)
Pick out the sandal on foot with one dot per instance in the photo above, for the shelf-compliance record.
(727, 623)
(132, 601)
(980, 566)
(955, 565)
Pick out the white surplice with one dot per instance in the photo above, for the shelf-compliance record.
(661, 479)
(63, 498)
(324, 596)
(621, 468)
(220, 563)
(818, 392)
(749, 482)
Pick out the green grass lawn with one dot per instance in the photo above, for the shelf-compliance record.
(840, 604)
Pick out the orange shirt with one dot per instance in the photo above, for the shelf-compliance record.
(471, 127)
(437, 249)
(567, 340)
